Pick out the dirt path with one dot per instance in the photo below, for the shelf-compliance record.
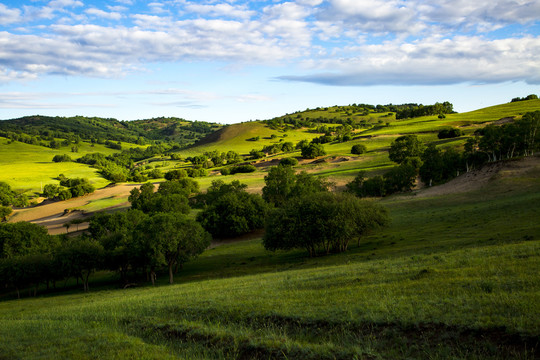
(53, 215)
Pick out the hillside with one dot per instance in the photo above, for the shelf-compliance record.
(36, 129)
(444, 279)
(29, 167)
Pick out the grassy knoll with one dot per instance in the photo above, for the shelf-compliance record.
(455, 276)
(29, 167)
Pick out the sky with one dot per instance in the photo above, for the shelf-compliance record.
(229, 61)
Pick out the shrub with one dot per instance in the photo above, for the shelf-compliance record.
(176, 174)
(358, 149)
(313, 151)
(248, 168)
(225, 171)
(288, 161)
(449, 133)
(61, 158)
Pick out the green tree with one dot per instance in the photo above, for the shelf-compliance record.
(400, 178)
(5, 211)
(171, 239)
(80, 257)
(313, 151)
(50, 191)
(405, 146)
(234, 213)
(23, 238)
(358, 149)
(279, 184)
(365, 187)
(290, 161)
(322, 222)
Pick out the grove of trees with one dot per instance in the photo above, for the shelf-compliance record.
(323, 222)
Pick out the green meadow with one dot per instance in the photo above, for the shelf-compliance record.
(28, 167)
(448, 279)
(454, 275)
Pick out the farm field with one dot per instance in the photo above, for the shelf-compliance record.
(448, 278)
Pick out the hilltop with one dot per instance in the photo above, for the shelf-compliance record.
(37, 129)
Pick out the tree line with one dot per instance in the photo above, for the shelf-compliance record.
(436, 165)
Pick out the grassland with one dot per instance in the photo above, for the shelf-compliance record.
(28, 167)
(452, 277)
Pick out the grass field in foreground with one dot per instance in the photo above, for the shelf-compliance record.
(452, 277)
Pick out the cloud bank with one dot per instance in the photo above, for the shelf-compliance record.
(332, 42)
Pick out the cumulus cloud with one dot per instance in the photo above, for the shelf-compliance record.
(104, 14)
(9, 16)
(219, 10)
(338, 40)
(432, 61)
(64, 3)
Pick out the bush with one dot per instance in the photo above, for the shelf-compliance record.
(449, 133)
(313, 151)
(61, 158)
(288, 161)
(176, 174)
(225, 171)
(248, 168)
(358, 149)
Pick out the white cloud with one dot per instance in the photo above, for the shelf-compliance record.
(60, 4)
(103, 14)
(432, 61)
(9, 16)
(219, 10)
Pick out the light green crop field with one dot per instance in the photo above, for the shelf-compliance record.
(452, 277)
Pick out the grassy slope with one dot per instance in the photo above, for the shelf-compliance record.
(376, 139)
(28, 167)
(449, 278)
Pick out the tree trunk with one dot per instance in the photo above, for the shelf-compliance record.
(171, 273)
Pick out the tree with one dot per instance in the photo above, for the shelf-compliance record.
(183, 186)
(115, 233)
(176, 174)
(5, 211)
(313, 151)
(23, 238)
(405, 146)
(50, 191)
(365, 187)
(358, 149)
(279, 183)
(141, 198)
(61, 158)
(282, 184)
(290, 161)
(234, 213)
(322, 222)
(80, 257)
(399, 178)
(171, 239)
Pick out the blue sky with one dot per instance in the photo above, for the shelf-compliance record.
(235, 60)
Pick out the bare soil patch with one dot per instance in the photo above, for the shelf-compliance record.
(477, 179)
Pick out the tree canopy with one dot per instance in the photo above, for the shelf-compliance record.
(322, 222)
